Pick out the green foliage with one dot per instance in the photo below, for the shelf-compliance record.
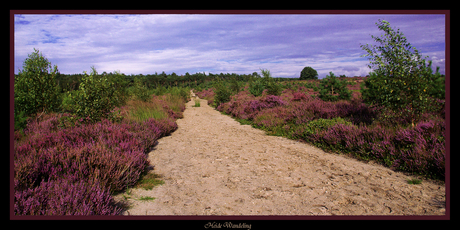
(182, 92)
(35, 88)
(197, 103)
(414, 181)
(120, 84)
(316, 126)
(437, 88)
(333, 89)
(270, 84)
(67, 102)
(95, 99)
(20, 120)
(140, 91)
(258, 85)
(160, 90)
(401, 80)
(222, 93)
(308, 73)
(234, 86)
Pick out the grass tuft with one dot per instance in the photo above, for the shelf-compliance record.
(197, 103)
(149, 181)
(146, 198)
(414, 181)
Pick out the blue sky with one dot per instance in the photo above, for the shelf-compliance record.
(239, 43)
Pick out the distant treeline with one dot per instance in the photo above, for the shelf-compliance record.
(69, 82)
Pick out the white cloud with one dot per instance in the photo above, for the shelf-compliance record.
(145, 44)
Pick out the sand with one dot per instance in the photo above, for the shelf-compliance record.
(213, 165)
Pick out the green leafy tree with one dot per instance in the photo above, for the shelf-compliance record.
(95, 98)
(402, 79)
(222, 92)
(308, 73)
(333, 89)
(35, 87)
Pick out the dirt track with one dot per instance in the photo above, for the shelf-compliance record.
(213, 165)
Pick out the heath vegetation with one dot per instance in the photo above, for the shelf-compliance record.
(81, 138)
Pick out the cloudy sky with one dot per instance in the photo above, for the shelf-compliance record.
(239, 43)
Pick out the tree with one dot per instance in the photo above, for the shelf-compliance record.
(269, 83)
(95, 98)
(308, 73)
(333, 89)
(258, 84)
(222, 92)
(35, 87)
(401, 80)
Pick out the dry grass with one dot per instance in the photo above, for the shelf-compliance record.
(136, 110)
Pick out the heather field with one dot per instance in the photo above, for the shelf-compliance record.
(66, 167)
(345, 126)
(101, 143)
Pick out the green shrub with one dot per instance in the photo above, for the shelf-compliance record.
(120, 84)
(402, 79)
(95, 98)
(234, 86)
(316, 126)
(222, 93)
(20, 120)
(273, 88)
(140, 91)
(66, 105)
(182, 92)
(333, 89)
(258, 85)
(35, 88)
(160, 90)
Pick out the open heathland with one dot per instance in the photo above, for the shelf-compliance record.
(213, 165)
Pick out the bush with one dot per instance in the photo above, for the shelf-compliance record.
(333, 89)
(95, 98)
(222, 93)
(120, 84)
(234, 85)
(35, 87)
(257, 86)
(140, 91)
(182, 92)
(321, 124)
(20, 120)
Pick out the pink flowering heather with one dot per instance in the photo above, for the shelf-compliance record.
(368, 133)
(207, 95)
(72, 170)
(64, 197)
(419, 149)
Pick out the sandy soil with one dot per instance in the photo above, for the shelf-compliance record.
(213, 165)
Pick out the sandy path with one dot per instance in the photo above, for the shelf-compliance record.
(212, 165)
